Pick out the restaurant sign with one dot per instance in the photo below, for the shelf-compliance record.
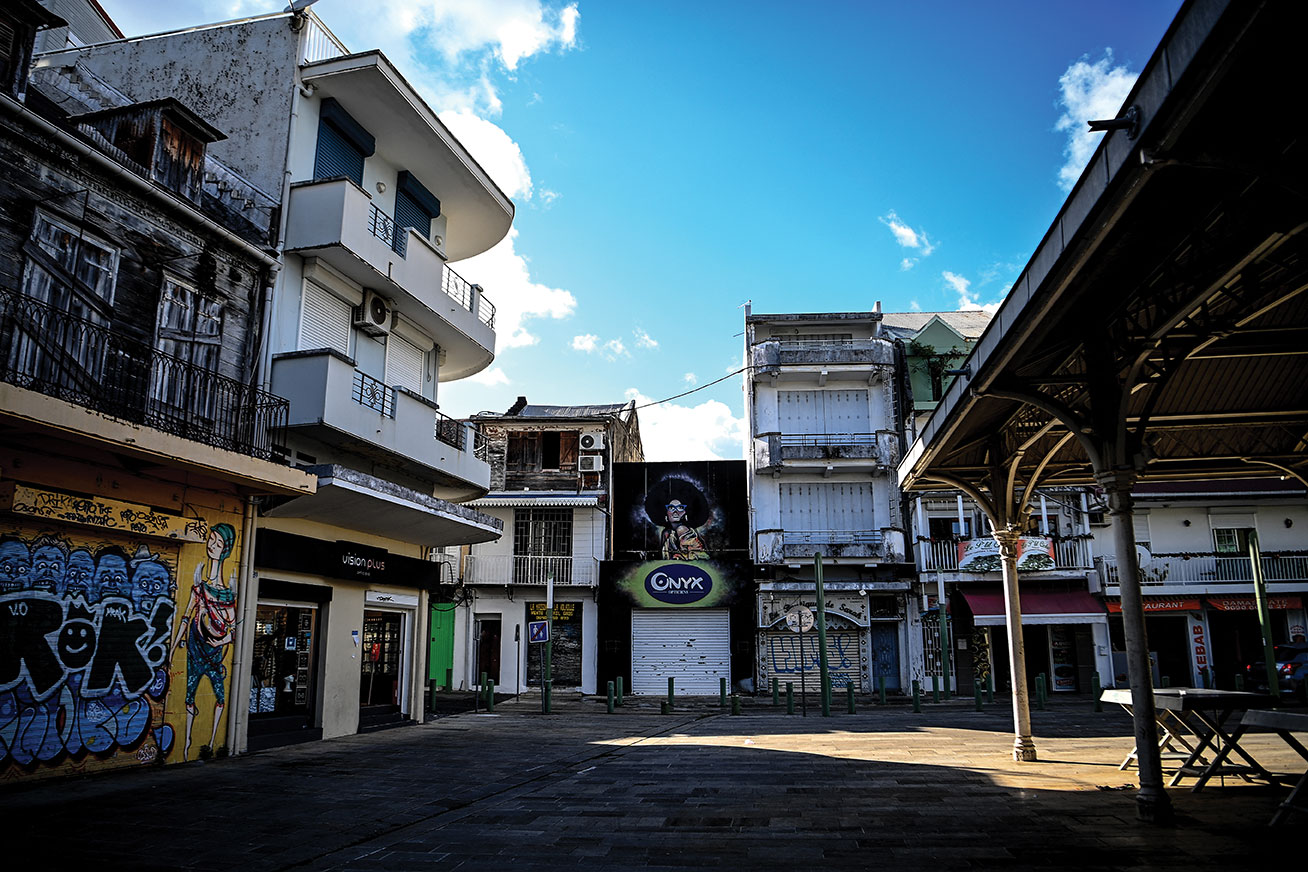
(1159, 604)
(1249, 604)
(982, 554)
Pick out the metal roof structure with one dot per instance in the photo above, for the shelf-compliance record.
(1160, 330)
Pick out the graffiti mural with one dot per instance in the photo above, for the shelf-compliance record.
(92, 644)
(84, 636)
(784, 656)
(680, 511)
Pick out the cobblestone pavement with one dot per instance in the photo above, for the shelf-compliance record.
(513, 790)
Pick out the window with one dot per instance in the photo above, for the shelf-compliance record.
(405, 364)
(189, 340)
(542, 532)
(73, 274)
(415, 206)
(551, 450)
(343, 144)
(948, 528)
(1232, 546)
(324, 320)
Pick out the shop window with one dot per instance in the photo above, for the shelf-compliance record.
(282, 667)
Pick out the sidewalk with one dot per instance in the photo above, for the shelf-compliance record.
(517, 790)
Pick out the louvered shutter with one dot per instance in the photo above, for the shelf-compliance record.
(324, 320)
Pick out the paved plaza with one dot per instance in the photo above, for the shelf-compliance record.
(515, 790)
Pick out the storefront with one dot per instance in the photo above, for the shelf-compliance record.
(284, 666)
(681, 620)
(865, 640)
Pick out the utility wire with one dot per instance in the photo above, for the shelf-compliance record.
(693, 390)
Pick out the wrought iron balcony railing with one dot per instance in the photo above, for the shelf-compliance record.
(47, 350)
(531, 569)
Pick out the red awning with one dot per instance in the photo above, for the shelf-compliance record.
(1248, 604)
(1158, 604)
(1038, 606)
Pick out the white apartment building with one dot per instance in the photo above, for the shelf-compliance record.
(823, 403)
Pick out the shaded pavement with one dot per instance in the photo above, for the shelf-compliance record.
(884, 788)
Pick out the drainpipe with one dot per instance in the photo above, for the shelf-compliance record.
(238, 716)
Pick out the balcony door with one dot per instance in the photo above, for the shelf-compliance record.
(827, 512)
(1231, 545)
(189, 338)
(823, 412)
(542, 545)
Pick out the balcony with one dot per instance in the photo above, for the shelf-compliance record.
(847, 451)
(1209, 573)
(52, 353)
(522, 569)
(346, 406)
(941, 555)
(885, 545)
(769, 358)
(336, 221)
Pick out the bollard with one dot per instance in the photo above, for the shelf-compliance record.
(618, 701)
(976, 691)
(1097, 691)
(790, 697)
(610, 697)
(826, 696)
(449, 679)
(664, 708)
(990, 687)
(490, 696)
(1040, 691)
(917, 695)
(881, 688)
(735, 703)
(849, 697)
(1239, 681)
(549, 696)
(1165, 681)
(776, 691)
(722, 692)
(672, 700)
(935, 688)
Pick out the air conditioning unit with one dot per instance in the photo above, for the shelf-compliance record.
(590, 463)
(592, 440)
(374, 316)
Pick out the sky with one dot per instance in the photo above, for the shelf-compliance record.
(671, 160)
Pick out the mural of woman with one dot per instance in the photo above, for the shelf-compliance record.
(680, 509)
(206, 627)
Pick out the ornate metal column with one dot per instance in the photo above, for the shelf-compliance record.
(1024, 749)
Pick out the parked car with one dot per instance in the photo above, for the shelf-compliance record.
(1291, 670)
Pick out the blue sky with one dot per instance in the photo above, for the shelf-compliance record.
(671, 160)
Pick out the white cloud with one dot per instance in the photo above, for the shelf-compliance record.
(494, 149)
(963, 287)
(490, 377)
(504, 274)
(690, 379)
(547, 197)
(708, 431)
(644, 340)
(613, 349)
(914, 306)
(907, 263)
(1088, 91)
(586, 342)
(907, 237)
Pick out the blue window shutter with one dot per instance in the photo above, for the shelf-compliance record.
(342, 144)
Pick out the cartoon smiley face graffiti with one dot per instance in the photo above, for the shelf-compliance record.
(76, 642)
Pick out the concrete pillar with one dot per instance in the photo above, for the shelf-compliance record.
(1152, 802)
(1024, 749)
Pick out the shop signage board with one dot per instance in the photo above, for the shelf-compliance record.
(1159, 604)
(982, 554)
(800, 619)
(1248, 604)
(663, 584)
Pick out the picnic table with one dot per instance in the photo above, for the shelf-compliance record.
(1282, 724)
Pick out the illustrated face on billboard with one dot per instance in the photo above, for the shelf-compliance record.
(681, 511)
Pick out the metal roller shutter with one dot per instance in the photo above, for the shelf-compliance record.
(405, 363)
(324, 320)
(691, 645)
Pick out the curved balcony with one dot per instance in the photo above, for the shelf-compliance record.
(335, 220)
(350, 408)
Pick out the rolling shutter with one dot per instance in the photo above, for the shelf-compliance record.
(405, 363)
(693, 646)
(342, 144)
(324, 320)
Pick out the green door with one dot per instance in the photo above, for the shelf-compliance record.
(441, 655)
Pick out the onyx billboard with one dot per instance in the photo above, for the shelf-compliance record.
(684, 511)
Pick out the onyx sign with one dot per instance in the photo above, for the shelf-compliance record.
(678, 583)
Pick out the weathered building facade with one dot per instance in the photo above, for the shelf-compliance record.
(134, 435)
(368, 198)
(551, 487)
(824, 397)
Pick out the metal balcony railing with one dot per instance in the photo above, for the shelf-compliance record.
(825, 439)
(480, 446)
(374, 394)
(525, 569)
(384, 228)
(942, 554)
(832, 537)
(461, 291)
(47, 350)
(1210, 568)
(449, 430)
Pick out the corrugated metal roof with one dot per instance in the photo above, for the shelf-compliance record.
(534, 499)
(971, 323)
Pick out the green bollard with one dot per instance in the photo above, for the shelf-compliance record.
(881, 688)
(1165, 681)
(976, 691)
(1239, 681)
(722, 692)
(990, 687)
(549, 696)
(790, 697)
(935, 688)
(490, 696)
(1095, 689)
(917, 695)
(610, 697)
(664, 708)
(776, 691)
(449, 679)
(1040, 691)
(672, 699)
(826, 696)
(619, 690)
(735, 703)
(849, 697)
